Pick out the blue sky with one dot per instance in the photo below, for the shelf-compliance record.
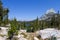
(29, 9)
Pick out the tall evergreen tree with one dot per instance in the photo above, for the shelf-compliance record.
(36, 24)
(13, 30)
(3, 13)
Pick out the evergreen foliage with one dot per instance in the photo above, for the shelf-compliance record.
(3, 14)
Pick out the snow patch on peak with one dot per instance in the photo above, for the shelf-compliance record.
(50, 11)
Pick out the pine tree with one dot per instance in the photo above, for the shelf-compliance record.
(36, 24)
(3, 13)
(13, 30)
